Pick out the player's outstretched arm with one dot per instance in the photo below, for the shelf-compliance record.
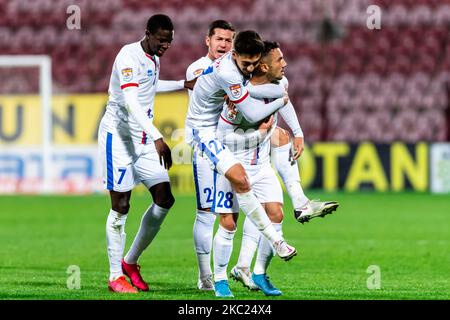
(269, 91)
(170, 85)
(255, 110)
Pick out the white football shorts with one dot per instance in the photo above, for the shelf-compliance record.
(264, 183)
(209, 158)
(125, 164)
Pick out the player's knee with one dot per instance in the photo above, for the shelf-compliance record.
(165, 201)
(275, 213)
(241, 184)
(228, 224)
(277, 218)
(162, 195)
(238, 178)
(122, 206)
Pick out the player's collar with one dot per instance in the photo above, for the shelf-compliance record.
(150, 57)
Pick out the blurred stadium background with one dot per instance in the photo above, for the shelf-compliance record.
(374, 105)
(350, 85)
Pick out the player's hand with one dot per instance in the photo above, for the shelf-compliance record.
(165, 155)
(298, 145)
(265, 126)
(189, 84)
(286, 97)
(228, 101)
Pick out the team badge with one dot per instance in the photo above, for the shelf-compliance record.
(236, 90)
(198, 72)
(127, 74)
(231, 112)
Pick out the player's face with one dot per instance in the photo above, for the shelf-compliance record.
(219, 43)
(159, 42)
(277, 65)
(247, 64)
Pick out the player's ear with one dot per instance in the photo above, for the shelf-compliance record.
(207, 41)
(264, 67)
(147, 34)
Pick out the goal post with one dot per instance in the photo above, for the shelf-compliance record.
(44, 64)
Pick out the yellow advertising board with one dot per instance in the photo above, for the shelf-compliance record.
(75, 117)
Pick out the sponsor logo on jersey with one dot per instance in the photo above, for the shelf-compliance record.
(127, 74)
(198, 72)
(236, 90)
(149, 72)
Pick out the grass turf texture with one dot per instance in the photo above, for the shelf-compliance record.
(406, 235)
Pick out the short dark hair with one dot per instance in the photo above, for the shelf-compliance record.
(219, 24)
(249, 43)
(159, 21)
(269, 46)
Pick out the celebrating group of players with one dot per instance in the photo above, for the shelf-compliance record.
(235, 94)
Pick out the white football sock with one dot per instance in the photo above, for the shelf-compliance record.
(150, 224)
(203, 236)
(223, 246)
(256, 213)
(249, 244)
(265, 253)
(115, 241)
(288, 171)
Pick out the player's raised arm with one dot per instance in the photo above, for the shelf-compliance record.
(175, 85)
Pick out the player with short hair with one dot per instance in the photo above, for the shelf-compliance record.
(254, 151)
(229, 76)
(218, 40)
(132, 149)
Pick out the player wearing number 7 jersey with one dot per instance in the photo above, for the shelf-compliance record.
(132, 149)
(229, 76)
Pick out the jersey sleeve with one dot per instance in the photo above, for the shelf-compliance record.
(251, 109)
(193, 71)
(290, 117)
(169, 85)
(232, 84)
(270, 91)
(127, 67)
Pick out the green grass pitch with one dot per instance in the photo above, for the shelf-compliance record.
(406, 235)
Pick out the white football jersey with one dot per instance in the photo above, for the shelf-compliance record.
(221, 78)
(196, 68)
(232, 119)
(132, 67)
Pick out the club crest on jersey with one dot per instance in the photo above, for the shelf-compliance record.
(127, 74)
(198, 72)
(231, 112)
(236, 90)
